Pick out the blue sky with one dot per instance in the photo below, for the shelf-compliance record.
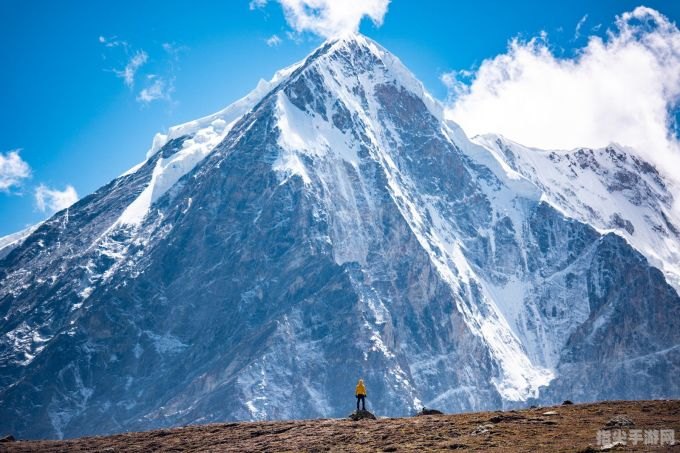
(76, 121)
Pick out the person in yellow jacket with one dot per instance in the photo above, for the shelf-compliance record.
(360, 393)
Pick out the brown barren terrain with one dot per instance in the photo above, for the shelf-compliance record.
(544, 429)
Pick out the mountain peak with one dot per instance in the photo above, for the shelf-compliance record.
(356, 42)
(348, 36)
(349, 54)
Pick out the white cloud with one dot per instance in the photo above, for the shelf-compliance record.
(13, 169)
(255, 4)
(134, 63)
(273, 41)
(621, 89)
(112, 42)
(579, 25)
(159, 89)
(173, 51)
(156, 75)
(329, 18)
(53, 200)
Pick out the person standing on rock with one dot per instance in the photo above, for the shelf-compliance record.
(360, 393)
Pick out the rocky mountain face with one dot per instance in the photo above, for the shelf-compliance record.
(331, 225)
(611, 189)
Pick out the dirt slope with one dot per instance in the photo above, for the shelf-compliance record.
(559, 428)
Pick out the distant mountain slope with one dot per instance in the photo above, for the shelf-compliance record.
(610, 189)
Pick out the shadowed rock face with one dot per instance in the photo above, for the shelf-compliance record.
(339, 230)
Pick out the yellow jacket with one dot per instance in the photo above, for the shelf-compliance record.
(361, 389)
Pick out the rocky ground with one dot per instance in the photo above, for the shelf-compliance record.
(646, 425)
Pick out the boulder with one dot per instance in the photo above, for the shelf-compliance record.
(620, 421)
(427, 411)
(361, 415)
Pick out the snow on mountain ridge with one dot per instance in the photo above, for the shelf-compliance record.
(611, 189)
(225, 116)
(202, 136)
(9, 242)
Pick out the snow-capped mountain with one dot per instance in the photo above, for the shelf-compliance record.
(611, 189)
(330, 225)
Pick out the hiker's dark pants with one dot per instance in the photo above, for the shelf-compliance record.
(361, 398)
